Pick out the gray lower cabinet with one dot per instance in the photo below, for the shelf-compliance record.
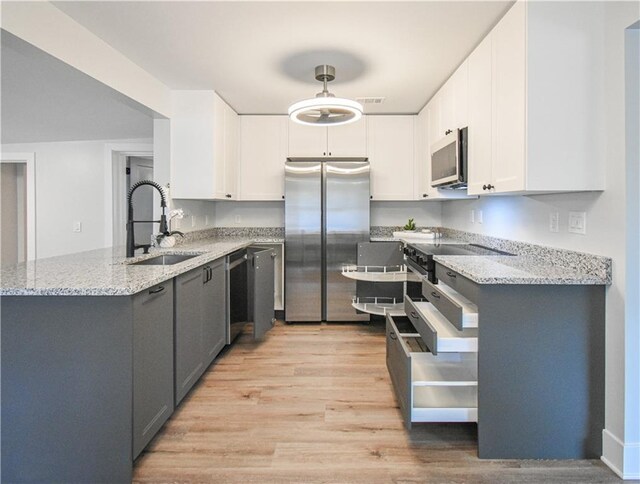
(200, 324)
(152, 362)
(261, 289)
(214, 313)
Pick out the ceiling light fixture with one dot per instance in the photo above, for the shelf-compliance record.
(325, 109)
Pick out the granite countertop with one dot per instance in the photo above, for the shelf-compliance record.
(106, 272)
(518, 269)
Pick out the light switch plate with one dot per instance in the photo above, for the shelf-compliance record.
(472, 216)
(578, 223)
(479, 217)
(77, 227)
(238, 219)
(554, 222)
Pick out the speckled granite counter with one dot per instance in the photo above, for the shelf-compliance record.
(517, 270)
(530, 263)
(106, 272)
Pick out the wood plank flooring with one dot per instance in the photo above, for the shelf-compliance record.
(314, 403)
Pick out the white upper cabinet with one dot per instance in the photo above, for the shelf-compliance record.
(391, 154)
(263, 152)
(546, 102)
(480, 141)
(203, 146)
(231, 153)
(307, 141)
(508, 99)
(346, 141)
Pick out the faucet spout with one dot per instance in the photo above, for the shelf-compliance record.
(131, 245)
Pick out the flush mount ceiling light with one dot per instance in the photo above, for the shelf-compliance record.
(325, 109)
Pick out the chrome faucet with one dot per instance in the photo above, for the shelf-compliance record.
(131, 245)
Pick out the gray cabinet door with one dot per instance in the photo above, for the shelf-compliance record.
(213, 311)
(188, 330)
(152, 362)
(261, 289)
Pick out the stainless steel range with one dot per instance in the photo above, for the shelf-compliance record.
(420, 256)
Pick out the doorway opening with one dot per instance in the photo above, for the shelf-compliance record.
(13, 220)
(17, 208)
(118, 159)
(141, 168)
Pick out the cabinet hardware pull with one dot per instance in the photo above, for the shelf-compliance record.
(283, 197)
(447, 132)
(329, 153)
(414, 315)
(436, 295)
(156, 291)
(324, 153)
(228, 195)
(487, 187)
(451, 274)
(370, 197)
(424, 195)
(392, 335)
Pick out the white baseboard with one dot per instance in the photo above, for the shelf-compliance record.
(621, 458)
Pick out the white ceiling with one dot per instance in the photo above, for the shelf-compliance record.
(260, 56)
(44, 99)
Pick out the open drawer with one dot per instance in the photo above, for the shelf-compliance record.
(437, 332)
(461, 312)
(430, 388)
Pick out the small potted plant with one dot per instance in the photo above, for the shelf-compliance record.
(410, 226)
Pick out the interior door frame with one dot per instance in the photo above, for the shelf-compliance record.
(115, 216)
(29, 160)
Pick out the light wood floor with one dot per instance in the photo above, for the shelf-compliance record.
(314, 403)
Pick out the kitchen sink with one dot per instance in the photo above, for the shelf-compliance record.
(165, 260)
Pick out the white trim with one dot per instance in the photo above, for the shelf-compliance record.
(29, 159)
(114, 162)
(621, 458)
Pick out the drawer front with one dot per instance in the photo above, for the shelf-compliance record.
(460, 283)
(447, 306)
(427, 332)
(399, 366)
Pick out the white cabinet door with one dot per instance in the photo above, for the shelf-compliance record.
(422, 166)
(349, 140)
(509, 98)
(480, 162)
(447, 110)
(307, 141)
(231, 134)
(219, 150)
(263, 151)
(460, 87)
(390, 143)
(433, 121)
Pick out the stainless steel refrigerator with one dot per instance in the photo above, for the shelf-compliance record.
(326, 216)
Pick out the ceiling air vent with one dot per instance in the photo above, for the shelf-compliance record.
(370, 100)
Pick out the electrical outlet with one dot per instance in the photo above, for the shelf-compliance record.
(206, 220)
(77, 227)
(238, 219)
(554, 222)
(472, 216)
(578, 223)
(193, 221)
(479, 216)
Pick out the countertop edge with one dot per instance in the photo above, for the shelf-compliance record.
(173, 271)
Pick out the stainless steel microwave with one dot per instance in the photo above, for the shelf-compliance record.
(449, 160)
